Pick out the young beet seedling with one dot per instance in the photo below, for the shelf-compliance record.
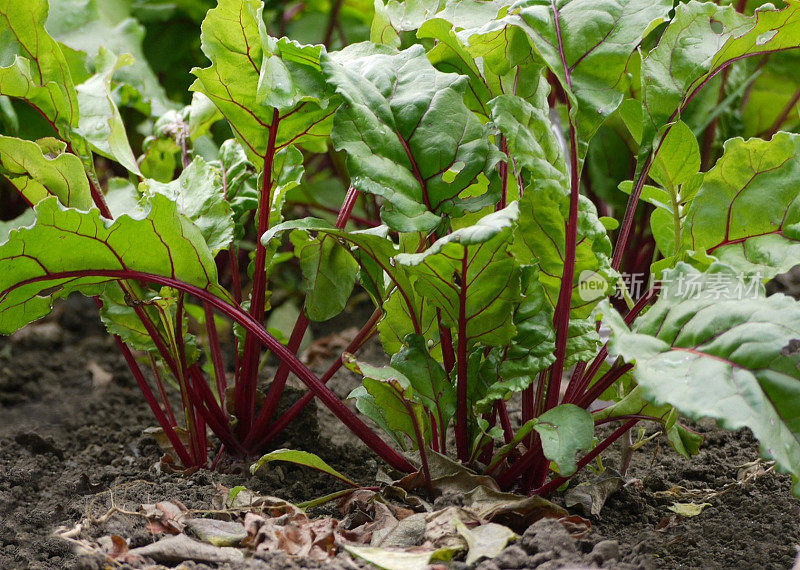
(492, 135)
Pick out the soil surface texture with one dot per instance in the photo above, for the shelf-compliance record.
(73, 447)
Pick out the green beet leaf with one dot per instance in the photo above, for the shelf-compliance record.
(100, 122)
(391, 128)
(540, 239)
(531, 141)
(495, 61)
(86, 26)
(68, 250)
(682, 440)
(672, 74)
(588, 45)
(39, 170)
(199, 195)
(388, 398)
(271, 91)
(301, 458)
(747, 213)
(531, 350)
(32, 66)
(388, 283)
(713, 346)
(669, 72)
(472, 278)
(431, 385)
(565, 430)
(329, 274)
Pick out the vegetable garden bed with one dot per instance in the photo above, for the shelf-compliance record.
(469, 260)
(95, 457)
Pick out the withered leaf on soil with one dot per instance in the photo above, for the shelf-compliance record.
(216, 532)
(486, 541)
(688, 510)
(175, 549)
(590, 496)
(166, 517)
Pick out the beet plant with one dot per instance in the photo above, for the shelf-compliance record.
(507, 264)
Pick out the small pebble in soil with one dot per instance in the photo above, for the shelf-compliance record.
(605, 550)
(548, 535)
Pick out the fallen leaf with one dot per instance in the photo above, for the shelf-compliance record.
(217, 532)
(590, 496)
(179, 548)
(408, 533)
(511, 510)
(392, 559)
(441, 528)
(167, 517)
(485, 541)
(294, 534)
(162, 440)
(118, 547)
(688, 510)
(321, 350)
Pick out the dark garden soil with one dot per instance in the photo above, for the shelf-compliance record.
(72, 448)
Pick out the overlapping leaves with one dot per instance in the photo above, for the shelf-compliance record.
(390, 126)
(714, 346)
(747, 212)
(271, 91)
(588, 44)
(92, 251)
(32, 66)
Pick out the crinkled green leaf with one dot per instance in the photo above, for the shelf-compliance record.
(588, 44)
(394, 17)
(199, 195)
(540, 239)
(532, 348)
(254, 79)
(583, 341)
(531, 142)
(421, 379)
(69, 250)
(42, 169)
(32, 66)
(472, 278)
(400, 312)
(431, 385)
(240, 181)
(100, 122)
(713, 346)
(390, 127)
(718, 35)
(329, 274)
(564, 431)
(88, 25)
(747, 213)
(388, 395)
(496, 60)
(287, 173)
(389, 283)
